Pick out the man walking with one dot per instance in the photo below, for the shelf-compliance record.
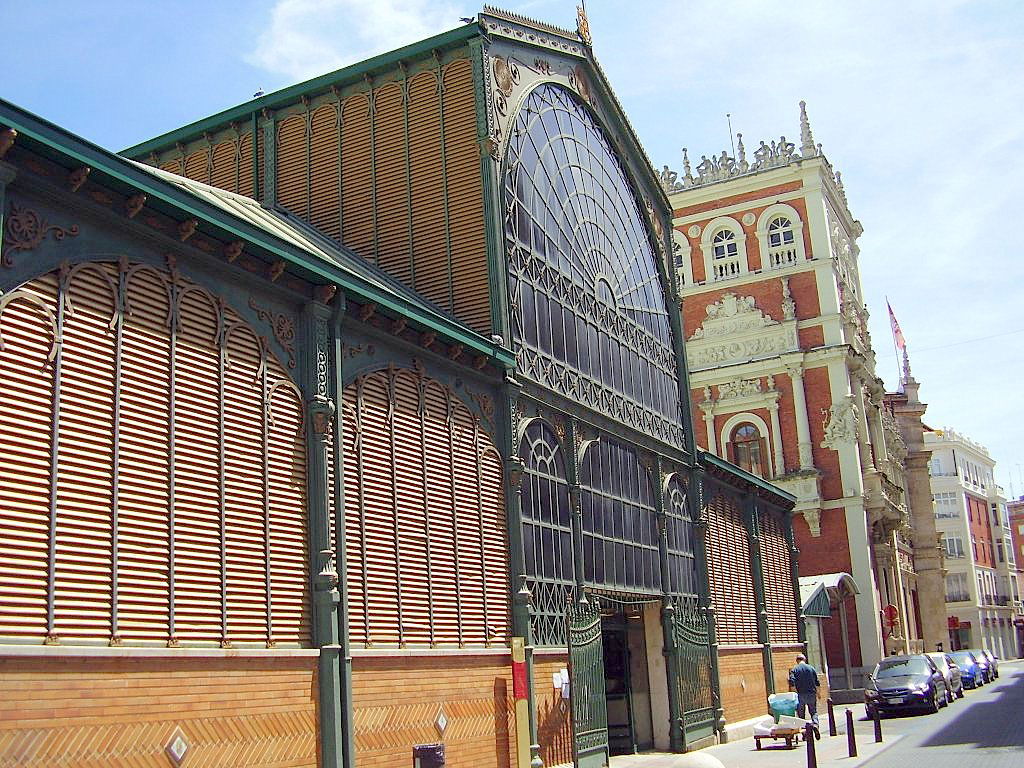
(803, 678)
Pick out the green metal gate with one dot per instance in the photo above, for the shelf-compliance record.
(691, 668)
(586, 675)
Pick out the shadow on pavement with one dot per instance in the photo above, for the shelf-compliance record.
(996, 723)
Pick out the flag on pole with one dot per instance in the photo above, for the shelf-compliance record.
(897, 334)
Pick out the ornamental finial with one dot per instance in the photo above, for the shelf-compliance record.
(687, 174)
(741, 154)
(807, 146)
(583, 25)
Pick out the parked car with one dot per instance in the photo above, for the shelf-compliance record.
(993, 660)
(950, 674)
(905, 682)
(983, 662)
(971, 672)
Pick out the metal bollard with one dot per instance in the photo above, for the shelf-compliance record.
(809, 737)
(831, 718)
(851, 737)
(878, 726)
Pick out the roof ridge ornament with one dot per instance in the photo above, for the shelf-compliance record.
(583, 25)
(807, 146)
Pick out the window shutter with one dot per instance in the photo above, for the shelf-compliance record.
(429, 243)
(292, 168)
(778, 581)
(729, 559)
(324, 171)
(29, 333)
(391, 182)
(357, 176)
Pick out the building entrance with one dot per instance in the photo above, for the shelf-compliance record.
(627, 684)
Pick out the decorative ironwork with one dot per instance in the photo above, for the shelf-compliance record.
(283, 327)
(691, 667)
(589, 309)
(25, 230)
(682, 563)
(587, 686)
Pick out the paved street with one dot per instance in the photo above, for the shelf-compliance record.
(983, 730)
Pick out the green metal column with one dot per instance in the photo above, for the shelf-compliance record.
(676, 730)
(321, 412)
(753, 525)
(699, 513)
(572, 465)
(269, 158)
(520, 592)
(794, 558)
(337, 387)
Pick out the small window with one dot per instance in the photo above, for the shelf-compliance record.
(748, 449)
(724, 245)
(780, 232)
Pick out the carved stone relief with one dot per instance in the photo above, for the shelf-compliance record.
(840, 423)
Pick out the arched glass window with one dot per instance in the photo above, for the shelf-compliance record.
(620, 532)
(747, 449)
(724, 245)
(547, 531)
(682, 563)
(589, 315)
(780, 232)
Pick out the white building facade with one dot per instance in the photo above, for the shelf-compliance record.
(973, 522)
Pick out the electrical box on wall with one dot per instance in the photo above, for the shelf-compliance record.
(428, 756)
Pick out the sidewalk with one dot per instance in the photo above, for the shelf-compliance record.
(831, 751)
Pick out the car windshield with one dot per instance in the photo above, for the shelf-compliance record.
(940, 661)
(963, 658)
(900, 667)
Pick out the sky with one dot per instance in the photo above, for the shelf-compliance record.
(918, 103)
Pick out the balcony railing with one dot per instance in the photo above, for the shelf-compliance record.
(725, 268)
(957, 597)
(782, 256)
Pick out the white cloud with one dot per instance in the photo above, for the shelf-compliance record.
(306, 38)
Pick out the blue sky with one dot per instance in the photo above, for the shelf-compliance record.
(920, 105)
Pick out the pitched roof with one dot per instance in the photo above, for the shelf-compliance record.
(273, 233)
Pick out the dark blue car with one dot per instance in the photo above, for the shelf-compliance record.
(971, 672)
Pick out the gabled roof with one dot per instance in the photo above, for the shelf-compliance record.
(819, 594)
(271, 233)
(759, 485)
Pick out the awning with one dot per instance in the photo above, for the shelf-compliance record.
(820, 594)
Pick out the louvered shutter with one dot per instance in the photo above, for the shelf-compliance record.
(245, 166)
(197, 166)
(197, 536)
(26, 418)
(357, 176)
(391, 182)
(430, 250)
(495, 542)
(245, 521)
(468, 529)
(292, 165)
(145, 467)
(224, 170)
(465, 198)
(353, 498)
(732, 583)
(411, 487)
(324, 171)
(85, 456)
(440, 513)
(289, 531)
(776, 565)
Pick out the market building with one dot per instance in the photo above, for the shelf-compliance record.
(354, 421)
(783, 381)
(973, 521)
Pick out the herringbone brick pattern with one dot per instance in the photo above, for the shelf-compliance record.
(271, 740)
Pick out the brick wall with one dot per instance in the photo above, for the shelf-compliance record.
(554, 729)
(397, 700)
(744, 694)
(92, 711)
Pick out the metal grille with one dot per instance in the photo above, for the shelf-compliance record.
(589, 310)
(547, 531)
(620, 532)
(729, 557)
(692, 665)
(587, 687)
(776, 565)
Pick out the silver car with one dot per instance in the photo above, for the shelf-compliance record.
(950, 673)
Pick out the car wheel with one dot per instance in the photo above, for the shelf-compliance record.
(933, 707)
(947, 698)
(960, 692)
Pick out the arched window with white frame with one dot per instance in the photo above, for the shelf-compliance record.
(749, 444)
(724, 247)
(780, 236)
